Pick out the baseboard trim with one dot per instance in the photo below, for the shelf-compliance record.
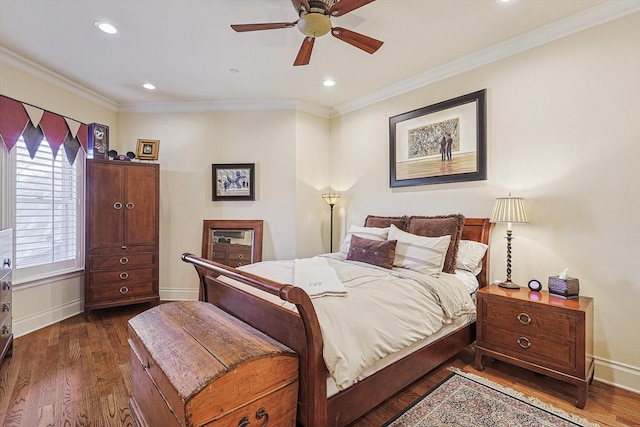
(179, 295)
(57, 314)
(620, 375)
(46, 318)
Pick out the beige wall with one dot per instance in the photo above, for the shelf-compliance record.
(562, 133)
(312, 179)
(191, 142)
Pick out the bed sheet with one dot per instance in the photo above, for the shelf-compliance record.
(383, 312)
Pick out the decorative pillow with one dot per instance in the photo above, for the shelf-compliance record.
(386, 221)
(372, 252)
(423, 254)
(435, 226)
(470, 254)
(372, 233)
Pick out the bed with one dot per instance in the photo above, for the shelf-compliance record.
(300, 329)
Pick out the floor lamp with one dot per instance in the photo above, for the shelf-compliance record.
(331, 199)
(509, 210)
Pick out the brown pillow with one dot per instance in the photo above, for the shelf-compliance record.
(436, 226)
(375, 252)
(386, 221)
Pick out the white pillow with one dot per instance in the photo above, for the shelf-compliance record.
(372, 233)
(470, 255)
(422, 254)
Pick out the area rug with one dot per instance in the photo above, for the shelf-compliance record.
(464, 399)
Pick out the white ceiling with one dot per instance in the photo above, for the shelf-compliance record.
(187, 48)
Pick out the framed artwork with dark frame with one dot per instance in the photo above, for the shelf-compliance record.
(233, 181)
(443, 142)
(147, 149)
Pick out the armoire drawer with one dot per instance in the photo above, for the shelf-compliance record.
(123, 276)
(105, 262)
(117, 291)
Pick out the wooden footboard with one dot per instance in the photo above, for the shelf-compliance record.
(301, 332)
(298, 331)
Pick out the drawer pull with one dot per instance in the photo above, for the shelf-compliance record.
(6, 306)
(524, 318)
(130, 205)
(124, 260)
(6, 263)
(259, 415)
(124, 290)
(262, 414)
(117, 205)
(6, 285)
(6, 329)
(524, 342)
(124, 275)
(240, 256)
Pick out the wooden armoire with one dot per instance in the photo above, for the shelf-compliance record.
(122, 233)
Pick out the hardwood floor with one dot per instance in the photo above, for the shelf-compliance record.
(76, 373)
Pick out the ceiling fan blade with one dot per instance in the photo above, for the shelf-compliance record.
(258, 27)
(346, 6)
(301, 5)
(366, 43)
(304, 54)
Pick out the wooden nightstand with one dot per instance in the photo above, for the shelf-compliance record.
(546, 334)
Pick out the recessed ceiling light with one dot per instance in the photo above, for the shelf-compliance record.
(106, 27)
(329, 82)
(148, 86)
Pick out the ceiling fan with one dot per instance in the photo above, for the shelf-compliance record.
(315, 21)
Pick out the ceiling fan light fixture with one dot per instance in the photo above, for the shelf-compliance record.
(314, 24)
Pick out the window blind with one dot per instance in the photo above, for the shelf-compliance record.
(47, 208)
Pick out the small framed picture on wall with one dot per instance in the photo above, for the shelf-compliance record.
(233, 181)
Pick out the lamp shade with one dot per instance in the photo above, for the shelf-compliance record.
(510, 210)
(331, 198)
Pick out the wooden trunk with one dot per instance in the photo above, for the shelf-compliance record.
(195, 365)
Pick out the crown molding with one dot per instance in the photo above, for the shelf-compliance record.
(33, 69)
(600, 14)
(246, 105)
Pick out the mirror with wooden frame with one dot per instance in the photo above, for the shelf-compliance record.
(232, 242)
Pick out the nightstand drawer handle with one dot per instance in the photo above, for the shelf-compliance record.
(124, 275)
(524, 318)
(524, 342)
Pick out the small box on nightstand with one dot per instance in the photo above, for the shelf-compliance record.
(568, 288)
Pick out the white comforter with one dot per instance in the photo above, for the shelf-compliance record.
(382, 312)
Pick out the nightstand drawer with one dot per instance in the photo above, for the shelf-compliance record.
(525, 318)
(560, 355)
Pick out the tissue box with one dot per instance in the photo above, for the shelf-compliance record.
(565, 288)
